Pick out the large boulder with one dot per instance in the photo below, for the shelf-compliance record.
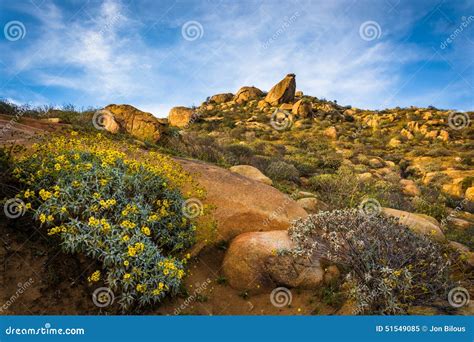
(141, 125)
(221, 98)
(419, 223)
(180, 116)
(253, 263)
(242, 204)
(252, 173)
(283, 91)
(246, 94)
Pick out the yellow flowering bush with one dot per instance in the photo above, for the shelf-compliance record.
(125, 212)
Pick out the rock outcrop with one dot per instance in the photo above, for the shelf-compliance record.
(253, 263)
(141, 125)
(180, 116)
(283, 91)
(242, 204)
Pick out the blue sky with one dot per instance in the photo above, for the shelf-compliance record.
(159, 54)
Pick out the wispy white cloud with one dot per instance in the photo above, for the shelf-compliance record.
(132, 52)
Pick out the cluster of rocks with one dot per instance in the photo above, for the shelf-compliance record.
(255, 220)
(283, 99)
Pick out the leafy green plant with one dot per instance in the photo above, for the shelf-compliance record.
(127, 214)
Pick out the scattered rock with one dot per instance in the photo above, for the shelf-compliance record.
(221, 98)
(180, 116)
(422, 224)
(330, 132)
(459, 247)
(252, 173)
(394, 143)
(141, 125)
(303, 194)
(376, 163)
(262, 104)
(246, 94)
(364, 176)
(52, 120)
(443, 135)
(302, 109)
(286, 106)
(312, 205)
(299, 93)
(253, 263)
(283, 91)
(407, 134)
(469, 195)
(459, 223)
(410, 188)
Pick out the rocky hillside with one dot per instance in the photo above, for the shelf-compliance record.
(265, 160)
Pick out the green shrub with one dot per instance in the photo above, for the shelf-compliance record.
(279, 170)
(127, 214)
(390, 267)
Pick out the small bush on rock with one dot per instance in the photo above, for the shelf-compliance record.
(390, 267)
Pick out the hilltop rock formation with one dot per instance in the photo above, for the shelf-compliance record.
(242, 204)
(180, 116)
(246, 94)
(141, 125)
(283, 91)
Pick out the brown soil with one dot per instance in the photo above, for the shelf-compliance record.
(55, 283)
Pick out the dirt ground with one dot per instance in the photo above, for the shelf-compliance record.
(38, 279)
